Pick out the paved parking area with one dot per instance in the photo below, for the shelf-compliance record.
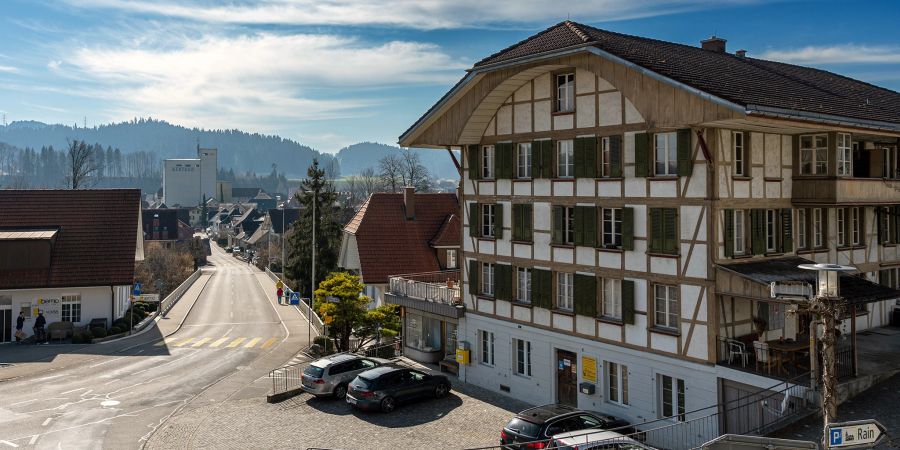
(469, 417)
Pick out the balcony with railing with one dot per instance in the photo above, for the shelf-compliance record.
(845, 190)
(435, 292)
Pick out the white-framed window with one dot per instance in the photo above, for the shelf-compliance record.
(565, 159)
(771, 230)
(740, 231)
(841, 227)
(451, 259)
(612, 298)
(605, 157)
(617, 383)
(889, 277)
(70, 308)
(486, 347)
(666, 305)
(818, 228)
(739, 154)
(844, 155)
(487, 279)
(856, 226)
(565, 291)
(487, 220)
(568, 225)
(885, 217)
(801, 229)
(814, 154)
(487, 161)
(672, 397)
(565, 92)
(523, 160)
(522, 357)
(891, 162)
(665, 154)
(523, 284)
(612, 227)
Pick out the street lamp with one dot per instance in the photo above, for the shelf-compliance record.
(827, 304)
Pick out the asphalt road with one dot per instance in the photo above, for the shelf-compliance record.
(118, 399)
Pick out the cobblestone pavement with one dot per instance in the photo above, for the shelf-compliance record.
(469, 417)
(880, 402)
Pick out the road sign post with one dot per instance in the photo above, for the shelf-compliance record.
(295, 298)
(856, 434)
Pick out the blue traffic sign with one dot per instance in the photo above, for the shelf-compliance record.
(837, 437)
(295, 298)
(137, 289)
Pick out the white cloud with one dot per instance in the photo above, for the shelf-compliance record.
(419, 14)
(837, 54)
(261, 81)
(9, 69)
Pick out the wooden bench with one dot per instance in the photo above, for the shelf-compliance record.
(449, 365)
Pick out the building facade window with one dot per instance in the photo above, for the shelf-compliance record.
(70, 308)
(487, 279)
(488, 228)
(486, 347)
(856, 228)
(801, 229)
(565, 235)
(523, 161)
(818, 228)
(612, 298)
(739, 154)
(740, 232)
(617, 384)
(665, 154)
(889, 277)
(487, 161)
(666, 306)
(891, 162)
(523, 284)
(771, 230)
(841, 227)
(844, 155)
(565, 92)
(672, 397)
(565, 159)
(451, 259)
(522, 355)
(814, 154)
(885, 217)
(612, 227)
(565, 291)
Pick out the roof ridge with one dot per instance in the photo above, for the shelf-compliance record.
(573, 26)
(504, 50)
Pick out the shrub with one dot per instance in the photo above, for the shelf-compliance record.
(115, 330)
(326, 344)
(84, 337)
(121, 324)
(98, 332)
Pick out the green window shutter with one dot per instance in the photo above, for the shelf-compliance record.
(474, 216)
(880, 224)
(758, 231)
(473, 277)
(503, 281)
(787, 230)
(541, 288)
(627, 228)
(586, 227)
(685, 153)
(498, 221)
(578, 154)
(516, 222)
(588, 160)
(747, 143)
(579, 226)
(474, 166)
(641, 154)
(656, 230)
(506, 160)
(896, 225)
(528, 215)
(670, 224)
(547, 159)
(729, 233)
(585, 295)
(628, 302)
(536, 158)
(557, 233)
(615, 156)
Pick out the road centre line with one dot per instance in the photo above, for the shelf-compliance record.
(252, 342)
(186, 341)
(33, 439)
(269, 343)
(47, 421)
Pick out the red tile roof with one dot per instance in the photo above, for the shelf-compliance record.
(450, 234)
(96, 242)
(388, 244)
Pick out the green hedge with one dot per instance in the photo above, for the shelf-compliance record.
(98, 332)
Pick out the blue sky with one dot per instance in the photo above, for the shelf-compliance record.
(329, 73)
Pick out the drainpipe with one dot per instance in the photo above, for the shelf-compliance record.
(112, 304)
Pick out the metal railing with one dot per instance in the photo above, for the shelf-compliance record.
(305, 309)
(167, 303)
(764, 360)
(440, 287)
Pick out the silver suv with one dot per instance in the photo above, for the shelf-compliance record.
(332, 374)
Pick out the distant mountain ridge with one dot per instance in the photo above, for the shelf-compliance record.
(355, 158)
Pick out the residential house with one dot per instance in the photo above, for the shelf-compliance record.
(165, 225)
(67, 253)
(244, 226)
(244, 194)
(405, 247)
(622, 198)
(263, 201)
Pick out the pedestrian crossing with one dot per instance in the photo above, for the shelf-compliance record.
(224, 342)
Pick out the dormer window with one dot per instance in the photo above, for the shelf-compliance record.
(565, 92)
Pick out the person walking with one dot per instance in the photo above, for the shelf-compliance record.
(20, 323)
(279, 292)
(40, 335)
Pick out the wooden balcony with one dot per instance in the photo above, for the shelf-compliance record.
(844, 191)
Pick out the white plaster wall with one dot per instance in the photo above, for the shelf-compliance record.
(96, 303)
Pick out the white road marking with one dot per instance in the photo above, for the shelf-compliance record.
(73, 390)
(50, 377)
(110, 382)
(108, 361)
(46, 422)
(37, 400)
(9, 444)
(33, 439)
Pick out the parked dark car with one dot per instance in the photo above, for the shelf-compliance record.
(383, 388)
(534, 427)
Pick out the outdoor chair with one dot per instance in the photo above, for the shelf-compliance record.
(761, 349)
(736, 349)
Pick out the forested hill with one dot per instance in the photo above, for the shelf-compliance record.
(358, 157)
(238, 150)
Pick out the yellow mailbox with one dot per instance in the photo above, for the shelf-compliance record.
(462, 356)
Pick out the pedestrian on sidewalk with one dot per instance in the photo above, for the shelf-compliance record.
(279, 292)
(39, 333)
(20, 323)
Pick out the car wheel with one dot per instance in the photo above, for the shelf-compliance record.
(440, 391)
(387, 404)
(340, 391)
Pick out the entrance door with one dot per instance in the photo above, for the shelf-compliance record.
(566, 378)
(6, 325)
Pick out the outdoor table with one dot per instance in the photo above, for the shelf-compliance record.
(789, 349)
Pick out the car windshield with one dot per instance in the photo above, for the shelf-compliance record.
(523, 427)
(313, 371)
(365, 382)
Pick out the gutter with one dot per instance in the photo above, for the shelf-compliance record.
(783, 113)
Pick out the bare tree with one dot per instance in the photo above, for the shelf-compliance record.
(82, 164)
(390, 169)
(413, 172)
(369, 181)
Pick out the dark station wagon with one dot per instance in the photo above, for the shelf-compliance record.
(534, 427)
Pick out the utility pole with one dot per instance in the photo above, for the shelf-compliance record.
(312, 287)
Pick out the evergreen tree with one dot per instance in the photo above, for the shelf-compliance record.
(319, 189)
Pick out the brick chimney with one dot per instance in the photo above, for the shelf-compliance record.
(741, 53)
(409, 200)
(713, 44)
